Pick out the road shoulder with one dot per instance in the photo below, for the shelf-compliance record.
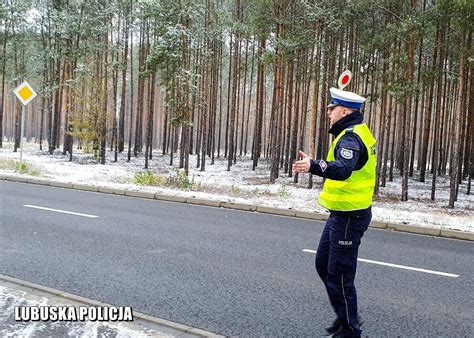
(15, 292)
(408, 228)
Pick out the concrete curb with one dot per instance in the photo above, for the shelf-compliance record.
(84, 187)
(276, 211)
(61, 185)
(57, 294)
(111, 191)
(409, 228)
(201, 201)
(378, 225)
(38, 181)
(312, 215)
(15, 178)
(169, 198)
(238, 206)
(417, 230)
(140, 194)
(468, 236)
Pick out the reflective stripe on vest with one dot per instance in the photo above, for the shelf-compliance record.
(356, 192)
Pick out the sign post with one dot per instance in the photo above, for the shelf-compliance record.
(344, 79)
(25, 93)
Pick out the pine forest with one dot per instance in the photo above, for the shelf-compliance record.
(240, 79)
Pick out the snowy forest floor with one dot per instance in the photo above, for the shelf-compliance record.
(240, 184)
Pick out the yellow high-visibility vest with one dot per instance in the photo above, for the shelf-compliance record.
(356, 192)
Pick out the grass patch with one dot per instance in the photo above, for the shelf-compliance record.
(178, 179)
(21, 168)
(235, 190)
(7, 165)
(282, 192)
(258, 192)
(149, 178)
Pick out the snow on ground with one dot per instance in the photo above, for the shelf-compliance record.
(240, 184)
(13, 298)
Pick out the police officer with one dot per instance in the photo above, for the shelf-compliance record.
(349, 172)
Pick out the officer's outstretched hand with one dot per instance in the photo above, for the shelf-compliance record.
(303, 165)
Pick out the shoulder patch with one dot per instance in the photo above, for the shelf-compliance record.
(323, 165)
(347, 153)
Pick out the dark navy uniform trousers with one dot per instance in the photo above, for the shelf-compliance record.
(336, 262)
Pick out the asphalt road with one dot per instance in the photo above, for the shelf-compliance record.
(225, 271)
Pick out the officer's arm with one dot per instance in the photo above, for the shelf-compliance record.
(346, 153)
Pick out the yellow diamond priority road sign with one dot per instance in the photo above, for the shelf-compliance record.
(25, 93)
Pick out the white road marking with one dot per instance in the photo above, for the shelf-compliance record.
(400, 266)
(61, 211)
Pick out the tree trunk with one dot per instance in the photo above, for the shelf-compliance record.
(2, 93)
(289, 103)
(150, 115)
(130, 124)
(456, 137)
(406, 112)
(260, 105)
(314, 106)
(428, 114)
(103, 120)
(121, 131)
(437, 116)
(235, 75)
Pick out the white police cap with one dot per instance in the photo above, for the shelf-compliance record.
(347, 99)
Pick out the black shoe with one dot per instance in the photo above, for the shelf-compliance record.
(336, 325)
(338, 334)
